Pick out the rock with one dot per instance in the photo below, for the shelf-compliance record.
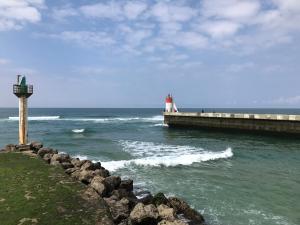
(144, 214)
(90, 194)
(98, 184)
(71, 170)
(121, 193)
(77, 162)
(144, 197)
(23, 148)
(35, 146)
(159, 199)
(10, 148)
(75, 174)
(85, 176)
(67, 165)
(88, 165)
(127, 184)
(181, 207)
(166, 213)
(61, 158)
(44, 151)
(102, 172)
(119, 209)
(47, 158)
(112, 183)
(175, 222)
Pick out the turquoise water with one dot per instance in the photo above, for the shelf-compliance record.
(232, 178)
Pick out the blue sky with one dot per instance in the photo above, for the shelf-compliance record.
(97, 53)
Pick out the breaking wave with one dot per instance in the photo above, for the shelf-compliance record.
(155, 155)
(96, 120)
(78, 130)
(38, 118)
(171, 160)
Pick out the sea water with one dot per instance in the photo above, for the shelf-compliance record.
(231, 178)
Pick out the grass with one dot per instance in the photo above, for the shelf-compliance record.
(33, 192)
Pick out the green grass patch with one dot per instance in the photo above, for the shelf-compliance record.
(33, 192)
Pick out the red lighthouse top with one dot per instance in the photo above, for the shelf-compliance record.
(169, 99)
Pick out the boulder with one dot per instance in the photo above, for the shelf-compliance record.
(85, 176)
(47, 158)
(102, 172)
(98, 184)
(127, 184)
(181, 207)
(144, 214)
(67, 165)
(119, 209)
(35, 146)
(77, 162)
(23, 148)
(88, 165)
(166, 213)
(175, 222)
(90, 194)
(112, 183)
(44, 151)
(121, 193)
(10, 148)
(62, 158)
(144, 197)
(71, 170)
(159, 199)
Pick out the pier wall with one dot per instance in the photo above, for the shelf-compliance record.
(251, 122)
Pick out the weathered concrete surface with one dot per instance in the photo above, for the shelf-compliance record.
(289, 124)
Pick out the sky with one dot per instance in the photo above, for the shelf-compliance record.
(98, 53)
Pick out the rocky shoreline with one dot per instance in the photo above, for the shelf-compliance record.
(126, 206)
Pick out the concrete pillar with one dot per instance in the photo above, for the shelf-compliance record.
(23, 120)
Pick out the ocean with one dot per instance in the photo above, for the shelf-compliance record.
(231, 178)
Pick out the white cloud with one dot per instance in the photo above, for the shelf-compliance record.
(62, 13)
(190, 40)
(133, 9)
(111, 10)
(288, 5)
(231, 9)
(164, 12)
(14, 14)
(85, 38)
(219, 29)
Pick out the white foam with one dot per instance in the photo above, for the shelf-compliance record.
(159, 125)
(153, 118)
(81, 157)
(152, 154)
(78, 130)
(169, 161)
(39, 118)
(96, 120)
(142, 149)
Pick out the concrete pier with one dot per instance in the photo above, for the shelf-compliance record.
(278, 123)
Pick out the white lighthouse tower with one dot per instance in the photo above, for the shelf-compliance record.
(23, 91)
(170, 104)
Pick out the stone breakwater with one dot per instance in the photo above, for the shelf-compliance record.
(126, 206)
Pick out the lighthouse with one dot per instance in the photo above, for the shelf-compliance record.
(23, 91)
(170, 104)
